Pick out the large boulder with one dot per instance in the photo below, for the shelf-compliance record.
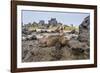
(84, 31)
(79, 49)
(53, 40)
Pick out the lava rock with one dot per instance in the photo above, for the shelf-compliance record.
(84, 31)
(53, 21)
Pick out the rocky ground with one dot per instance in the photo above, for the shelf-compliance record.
(70, 46)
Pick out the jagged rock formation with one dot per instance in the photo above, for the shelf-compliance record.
(53, 21)
(41, 22)
(84, 31)
(81, 46)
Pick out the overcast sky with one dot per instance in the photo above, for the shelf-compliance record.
(62, 17)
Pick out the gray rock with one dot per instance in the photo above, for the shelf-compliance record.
(73, 32)
(84, 31)
(77, 46)
(29, 37)
(53, 21)
(41, 22)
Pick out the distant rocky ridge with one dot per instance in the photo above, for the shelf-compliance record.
(41, 24)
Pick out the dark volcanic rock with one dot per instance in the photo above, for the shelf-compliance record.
(84, 30)
(79, 46)
(73, 32)
(41, 22)
(53, 21)
(31, 37)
